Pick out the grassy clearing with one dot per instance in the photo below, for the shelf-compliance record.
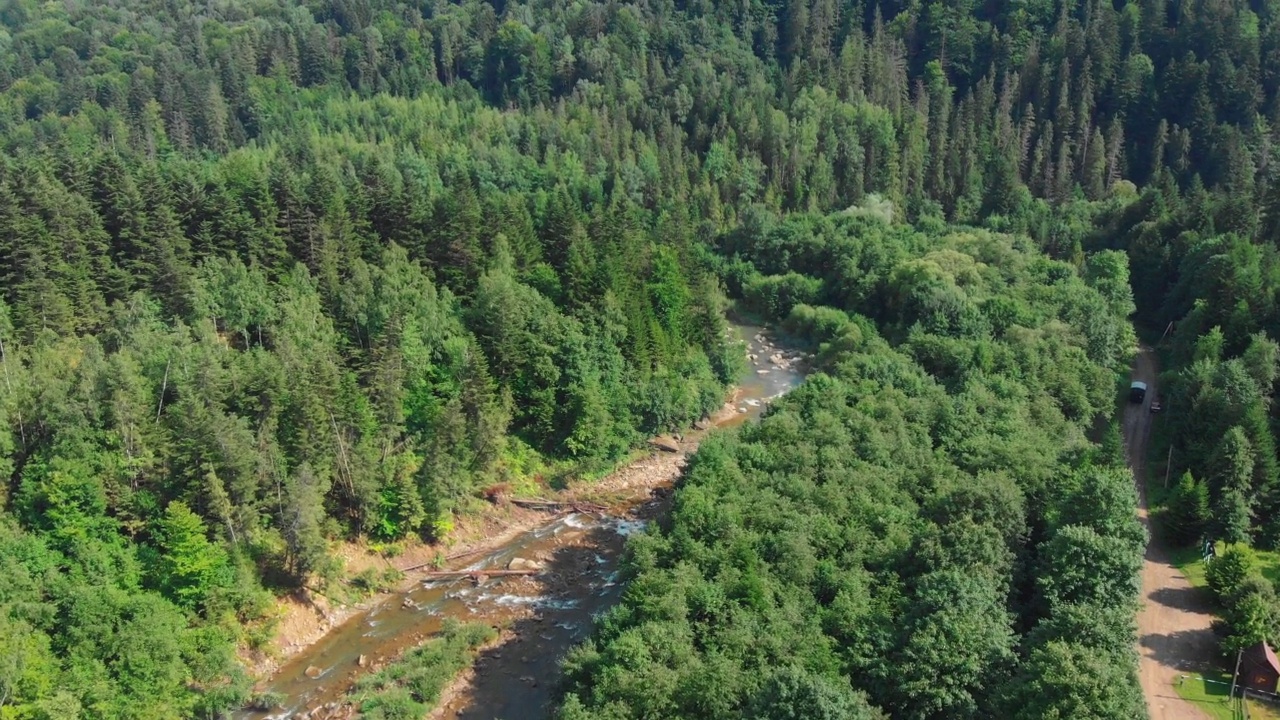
(1188, 561)
(1209, 693)
(411, 686)
(1269, 564)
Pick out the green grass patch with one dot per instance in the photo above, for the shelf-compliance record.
(1269, 564)
(411, 686)
(1209, 693)
(1190, 563)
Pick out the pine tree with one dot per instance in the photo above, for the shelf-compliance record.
(1232, 506)
(1159, 146)
(1095, 167)
(1189, 509)
(191, 567)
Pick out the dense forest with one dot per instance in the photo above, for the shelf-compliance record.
(926, 529)
(275, 274)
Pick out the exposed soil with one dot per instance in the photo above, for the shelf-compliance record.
(1174, 634)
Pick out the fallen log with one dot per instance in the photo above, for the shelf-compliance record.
(536, 503)
(464, 553)
(575, 506)
(454, 556)
(472, 573)
(419, 566)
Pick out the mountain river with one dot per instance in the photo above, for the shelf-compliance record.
(544, 614)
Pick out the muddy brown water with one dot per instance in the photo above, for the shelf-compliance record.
(547, 614)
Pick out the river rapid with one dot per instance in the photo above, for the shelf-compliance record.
(545, 614)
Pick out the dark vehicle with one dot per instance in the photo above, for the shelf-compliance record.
(1137, 392)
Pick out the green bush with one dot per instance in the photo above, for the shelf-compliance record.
(776, 295)
(1250, 614)
(410, 687)
(1229, 570)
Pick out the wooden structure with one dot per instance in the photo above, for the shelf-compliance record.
(1259, 668)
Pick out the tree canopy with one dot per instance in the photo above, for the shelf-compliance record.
(278, 273)
(923, 530)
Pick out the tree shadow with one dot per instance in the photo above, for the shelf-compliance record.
(1190, 599)
(1184, 650)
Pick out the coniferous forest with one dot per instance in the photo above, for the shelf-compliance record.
(279, 274)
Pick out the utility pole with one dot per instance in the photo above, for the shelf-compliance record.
(1236, 674)
(1168, 467)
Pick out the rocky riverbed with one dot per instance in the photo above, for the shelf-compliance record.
(572, 561)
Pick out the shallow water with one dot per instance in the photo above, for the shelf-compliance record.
(764, 380)
(548, 613)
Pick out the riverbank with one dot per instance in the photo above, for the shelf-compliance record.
(625, 491)
(324, 649)
(307, 616)
(504, 525)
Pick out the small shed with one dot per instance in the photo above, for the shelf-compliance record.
(1259, 668)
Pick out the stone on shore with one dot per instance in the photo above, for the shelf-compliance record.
(662, 442)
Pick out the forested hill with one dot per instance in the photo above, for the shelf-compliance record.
(274, 274)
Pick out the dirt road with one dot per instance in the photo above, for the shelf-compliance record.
(1173, 622)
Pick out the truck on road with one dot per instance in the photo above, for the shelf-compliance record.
(1137, 392)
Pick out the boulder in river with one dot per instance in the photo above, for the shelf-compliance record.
(362, 661)
(662, 442)
(519, 563)
(313, 672)
(703, 424)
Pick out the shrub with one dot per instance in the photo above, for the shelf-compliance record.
(1228, 571)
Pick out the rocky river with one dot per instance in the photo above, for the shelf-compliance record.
(576, 556)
